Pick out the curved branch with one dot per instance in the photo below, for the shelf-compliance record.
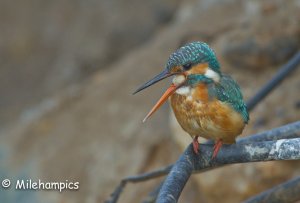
(286, 149)
(177, 177)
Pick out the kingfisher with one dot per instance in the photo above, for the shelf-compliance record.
(206, 102)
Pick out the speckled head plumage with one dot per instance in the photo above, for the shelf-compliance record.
(184, 58)
(194, 53)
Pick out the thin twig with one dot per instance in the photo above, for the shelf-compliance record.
(138, 178)
(116, 194)
(287, 192)
(146, 176)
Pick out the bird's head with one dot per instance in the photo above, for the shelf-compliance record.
(190, 65)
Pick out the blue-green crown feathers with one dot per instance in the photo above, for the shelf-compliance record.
(194, 53)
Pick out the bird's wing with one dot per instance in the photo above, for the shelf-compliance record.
(229, 91)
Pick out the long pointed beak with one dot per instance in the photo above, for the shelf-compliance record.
(162, 100)
(164, 74)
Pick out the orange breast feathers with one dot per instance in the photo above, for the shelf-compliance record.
(200, 115)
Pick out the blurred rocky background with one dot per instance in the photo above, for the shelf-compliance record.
(68, 69)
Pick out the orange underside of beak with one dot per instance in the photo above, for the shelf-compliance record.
(162, 100)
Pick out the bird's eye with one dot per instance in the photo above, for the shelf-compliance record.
(187, 66)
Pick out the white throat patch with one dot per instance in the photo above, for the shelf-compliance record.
(178, 79)
(184, 90)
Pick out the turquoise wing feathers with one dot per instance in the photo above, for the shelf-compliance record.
(229, 91)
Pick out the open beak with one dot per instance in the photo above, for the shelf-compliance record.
(164, 74)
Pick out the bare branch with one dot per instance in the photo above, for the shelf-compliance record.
(287, 192)
(153, 194)
(138, 178)
(150, 175)
(284, 132)
(275, 81)
(286, 149)
(116, 194)
(291, 130)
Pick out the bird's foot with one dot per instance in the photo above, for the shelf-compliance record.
(217, 147)
(196, 145)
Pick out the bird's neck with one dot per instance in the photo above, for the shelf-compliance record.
(205, 70)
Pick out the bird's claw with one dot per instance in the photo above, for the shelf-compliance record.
(196, 145)
(217, 147)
